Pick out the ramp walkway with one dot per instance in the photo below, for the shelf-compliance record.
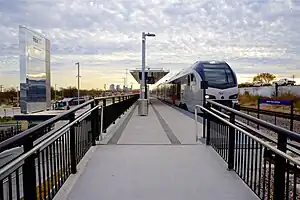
(154, 157)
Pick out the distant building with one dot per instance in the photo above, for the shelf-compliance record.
(112, 87)
(118, 88)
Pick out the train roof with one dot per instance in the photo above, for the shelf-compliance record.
(197, 66)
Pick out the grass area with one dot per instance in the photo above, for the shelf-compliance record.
(7, 120)
(251, 101)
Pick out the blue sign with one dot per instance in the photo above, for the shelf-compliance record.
(276, 102)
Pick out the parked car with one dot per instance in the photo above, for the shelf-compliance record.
(284, 81)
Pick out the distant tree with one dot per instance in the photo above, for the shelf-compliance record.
(264, 77)
(10, 94)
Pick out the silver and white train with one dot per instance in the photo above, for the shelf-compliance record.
(184, 89)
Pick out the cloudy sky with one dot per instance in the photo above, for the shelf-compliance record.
(105, 36)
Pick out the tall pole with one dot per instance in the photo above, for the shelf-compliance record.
(143, 65)
(126, 83)
(55, 92)
(18, 96)
(78, 76)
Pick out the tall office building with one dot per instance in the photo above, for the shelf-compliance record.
(35, 87)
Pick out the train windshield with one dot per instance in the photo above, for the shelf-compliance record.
(219, 76)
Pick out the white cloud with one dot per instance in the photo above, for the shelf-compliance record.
(105, 35)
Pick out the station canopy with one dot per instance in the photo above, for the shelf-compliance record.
(152, 74)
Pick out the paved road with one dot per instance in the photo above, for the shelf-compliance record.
(9, 111)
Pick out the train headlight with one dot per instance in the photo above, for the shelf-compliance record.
(209, 96)
(235, 96)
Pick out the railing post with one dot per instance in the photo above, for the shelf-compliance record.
(93, 124)
(279, 171)
(204, 86)
(292, 116)
(29, 174)
(104, 102)
(97, 120)
(231, 143)
(113, 100)
(72, 144)
(102, 110)
(208, 117)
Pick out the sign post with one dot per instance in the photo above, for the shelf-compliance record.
(277, 102)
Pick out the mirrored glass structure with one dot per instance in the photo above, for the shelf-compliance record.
(35, 88)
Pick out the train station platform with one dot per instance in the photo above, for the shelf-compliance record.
(154, 157)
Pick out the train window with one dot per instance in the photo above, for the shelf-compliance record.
(219, 75)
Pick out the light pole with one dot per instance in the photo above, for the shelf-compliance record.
(78, 76)
(18, 96)
(55, 92)
(144, 35)
(126, 76)
(143, 102)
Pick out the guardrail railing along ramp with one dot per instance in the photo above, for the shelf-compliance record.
(50, 156)
(269, 165)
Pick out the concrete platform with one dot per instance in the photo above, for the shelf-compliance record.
(157, 157)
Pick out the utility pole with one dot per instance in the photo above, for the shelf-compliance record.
(78, 76)
(18, 96)
(126, 77)
(293, 77)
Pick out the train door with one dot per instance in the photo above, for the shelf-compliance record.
(191, 92)
(184, 90)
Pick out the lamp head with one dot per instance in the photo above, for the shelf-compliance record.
(150, 34)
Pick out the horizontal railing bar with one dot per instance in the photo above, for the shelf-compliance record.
(290, 134)
(110, 97)
(275, 150)
(44, 124)
(264, 135)
(42, 144)
(271, 113)
(60, 132)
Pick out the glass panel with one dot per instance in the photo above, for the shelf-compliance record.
(219, 75)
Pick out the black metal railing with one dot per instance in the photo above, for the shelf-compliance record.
(9, 130)
(50, 156)
(269, 168)
(286, 120)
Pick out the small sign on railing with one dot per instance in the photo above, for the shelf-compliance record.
(276, 102)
